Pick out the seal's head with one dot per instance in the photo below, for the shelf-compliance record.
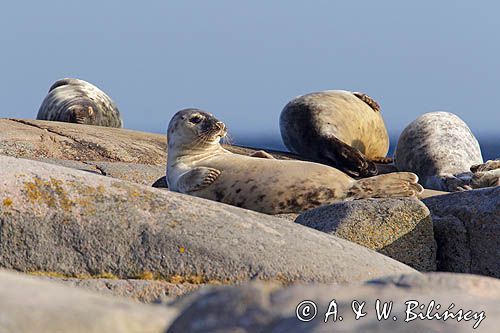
(81, 113)
(194, 128)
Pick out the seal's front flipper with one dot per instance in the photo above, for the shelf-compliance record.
(262, 154)
(197, 179)
(346, 158)
(391, 185)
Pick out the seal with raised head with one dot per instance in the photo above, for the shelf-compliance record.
(77, 101)
(339, 128)
(440, 148)
(198, 165)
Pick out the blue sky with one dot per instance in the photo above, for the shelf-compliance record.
(243, 60)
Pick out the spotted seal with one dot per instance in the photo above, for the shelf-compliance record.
(77, 101)
(339, 128)
(198, 165)
(440, 148)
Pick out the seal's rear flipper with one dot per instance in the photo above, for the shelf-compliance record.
(368, 100)
(486, 174)
(399, 184)
(382, 160)
(449, 182)
(488, 178)
(346, 158)
(64, 82)
(486, 166)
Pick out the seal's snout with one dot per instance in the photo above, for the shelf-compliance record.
(222, 128)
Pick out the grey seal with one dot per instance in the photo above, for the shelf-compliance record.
(441, 149)
(198, 165)
(77, 101)
(339, 128)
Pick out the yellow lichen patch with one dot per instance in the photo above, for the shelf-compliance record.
(193, 279)
(101, 189)
(50, 192)
(196, 279)
(50, 274)
(32, 190)
(173, 223)
(64, 200)
(281, 278)
(146, 275)
(176, 279)
(7, 202)
(106, 275)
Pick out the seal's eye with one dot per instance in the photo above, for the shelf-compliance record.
(195, 119)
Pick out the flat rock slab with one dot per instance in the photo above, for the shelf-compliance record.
(30, 305)
(399, 228)
(144, 174)
(467, 231)
(259, 307)
(147, 291)
(135, 156)
(138, 173)
(39, 139)
(36, 139)
(56, 219)
(78, 165)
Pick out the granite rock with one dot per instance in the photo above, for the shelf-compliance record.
(270, 308)
(399, 228)
(467, 231)
(28, 305)
(71, 222)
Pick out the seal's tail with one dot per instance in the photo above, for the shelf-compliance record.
(398, 184)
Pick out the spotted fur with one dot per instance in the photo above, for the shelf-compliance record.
(77, 101)
(440, 148)
(266, 185)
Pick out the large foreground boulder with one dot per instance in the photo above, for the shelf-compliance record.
(75, 223)
(399, 228)
(268, 308)
(467, 231)
(29, 305)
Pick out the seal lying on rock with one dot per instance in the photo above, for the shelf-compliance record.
(77, 101)
(441, 149)
(198, 165)
(339, 128)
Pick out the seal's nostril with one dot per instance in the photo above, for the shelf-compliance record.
(220, 125)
